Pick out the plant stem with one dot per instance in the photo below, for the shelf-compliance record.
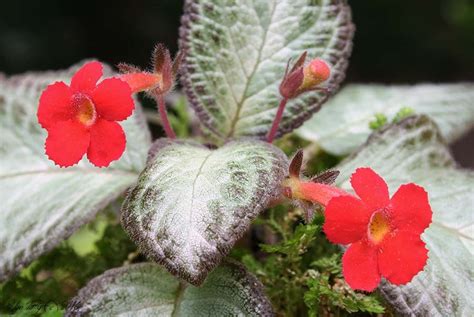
(276, 121)
(164, 117)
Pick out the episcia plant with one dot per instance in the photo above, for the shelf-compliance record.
(386, 209)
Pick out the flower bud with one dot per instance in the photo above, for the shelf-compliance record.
(315, 73)
(304, 78)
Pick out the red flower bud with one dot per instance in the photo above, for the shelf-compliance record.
(304, 78)
(315, 73)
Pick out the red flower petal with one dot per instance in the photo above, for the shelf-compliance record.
(359, 266)
(402, 256)
(107, 143)
(411, 209)
(85, 79)
(113, 99)
(67, 142)
(347, 219)
(370, 187)
(55, 105)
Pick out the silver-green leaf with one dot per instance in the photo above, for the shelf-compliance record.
(414, 151)
(343, 124)
(191, 204)
(42, 204)
(236, 54)
(146, 289)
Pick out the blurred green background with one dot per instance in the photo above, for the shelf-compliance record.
(395, 42)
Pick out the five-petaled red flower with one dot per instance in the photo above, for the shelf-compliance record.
(384, 233)
(81, 118)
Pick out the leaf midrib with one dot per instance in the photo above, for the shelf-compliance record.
(249, 78)
(194, 187)
(178, 298)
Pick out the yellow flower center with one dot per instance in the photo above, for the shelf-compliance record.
(379, 226)
(86, 113)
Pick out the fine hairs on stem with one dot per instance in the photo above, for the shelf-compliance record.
(164, 116)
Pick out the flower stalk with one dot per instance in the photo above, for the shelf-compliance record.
(276, 122)
(160, 101)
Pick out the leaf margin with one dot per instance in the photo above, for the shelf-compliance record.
(98, 283)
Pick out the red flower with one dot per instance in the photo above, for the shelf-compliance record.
(384, 233)
(81, 118)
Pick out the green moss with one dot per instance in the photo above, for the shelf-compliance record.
(379, 121)
(403, 113)
(328, 294)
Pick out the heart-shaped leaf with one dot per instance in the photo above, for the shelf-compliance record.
(451, 106)
(237, 51)
(413, 151)
(191, 204)
(147, 290)
(41, 204)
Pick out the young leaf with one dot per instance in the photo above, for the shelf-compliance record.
(344, 123)
(413, 151)
(191, 204)
(42, 203)
(149, 290)
(236, 54)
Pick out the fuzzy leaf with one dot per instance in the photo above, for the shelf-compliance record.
(191, 204)
(236, 53)
(413, 151)
(147, 290)
(343, 124)
(41, 204)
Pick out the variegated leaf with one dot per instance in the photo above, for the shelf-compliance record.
(413, 151)
(147, 290)
(42, 204)
(343, 124)
(191, 204)
(236, 53)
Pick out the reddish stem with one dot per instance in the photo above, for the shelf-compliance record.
(164, 117)
(276, 121)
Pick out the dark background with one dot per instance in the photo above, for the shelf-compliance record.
(396, 41)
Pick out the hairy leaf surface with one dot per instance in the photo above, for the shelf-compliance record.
(191, 203)
(343, 124)
(42, 204)
(147, 290)
(237, 51)
(413, 151)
